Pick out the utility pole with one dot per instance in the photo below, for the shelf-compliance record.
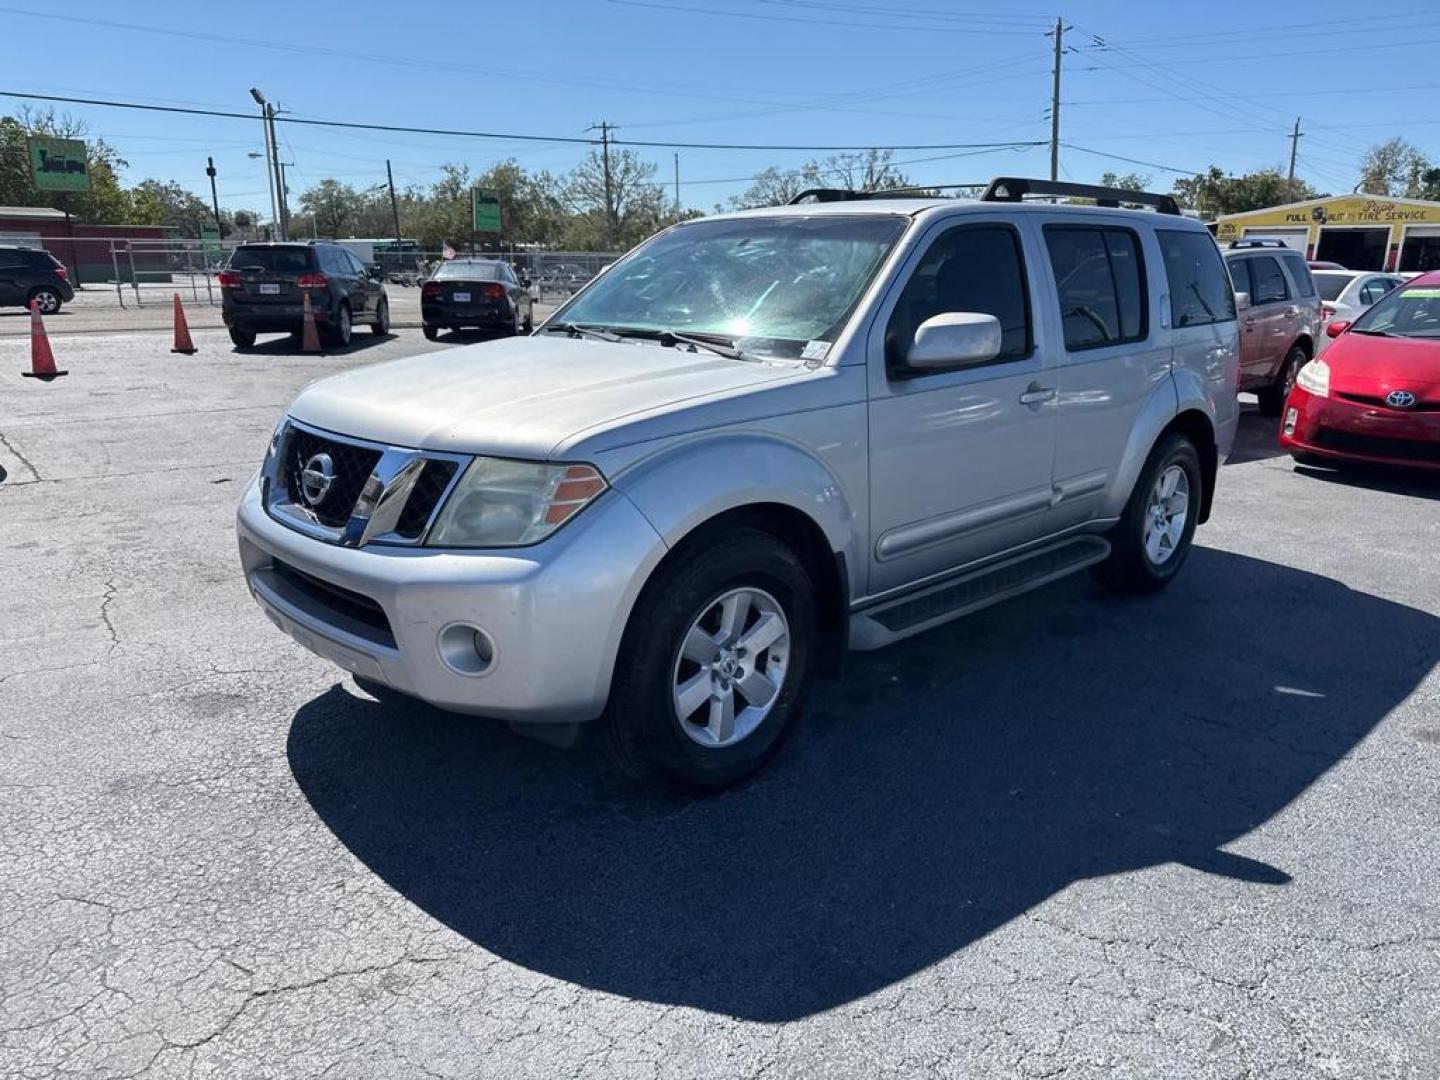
(280, 192)
(394, 206)
(269, 157)
(214, 198)
(605, 129)
(677, 184)
(1294, 147)
(1059, 33)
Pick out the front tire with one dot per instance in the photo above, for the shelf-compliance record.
(1152, 539)
(714, 663)
(343, 329)
(1272, 397)
(381, 326)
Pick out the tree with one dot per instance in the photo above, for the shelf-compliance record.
(105, 203)
(1213, 193)
(872, 170)
(1125, 181)
(331, 205)
(617, 215)
(157, 202)
(1398, 169)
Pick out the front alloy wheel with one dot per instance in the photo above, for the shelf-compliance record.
(730, 667)
(1166, 514)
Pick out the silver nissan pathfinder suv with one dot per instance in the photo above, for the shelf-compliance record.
(757, 441)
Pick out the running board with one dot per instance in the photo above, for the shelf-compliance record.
(888, 622)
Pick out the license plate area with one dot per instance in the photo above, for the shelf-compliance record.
(460, 297)
(269, 288)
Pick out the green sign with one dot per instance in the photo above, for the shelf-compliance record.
(210, 241)
(484, 210)
(58, 164)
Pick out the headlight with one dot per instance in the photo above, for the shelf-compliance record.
(500, 503)
(1315, 377)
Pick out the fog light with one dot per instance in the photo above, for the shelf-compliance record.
(466, 649)
(1291, 415)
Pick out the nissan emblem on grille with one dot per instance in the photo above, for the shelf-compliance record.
(1400, 399)
(316, 479)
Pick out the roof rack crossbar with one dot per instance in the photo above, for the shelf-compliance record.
(1015, 188)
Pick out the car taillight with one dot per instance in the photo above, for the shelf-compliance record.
(430, 290)
(493, 291)
(228, 279)
(1327, 311)
(311, 281)
(62, 273)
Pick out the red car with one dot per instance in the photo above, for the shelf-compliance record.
(1374, 396)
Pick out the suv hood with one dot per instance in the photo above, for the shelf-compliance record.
(522, 397)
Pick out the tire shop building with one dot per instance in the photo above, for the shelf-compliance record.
(1360, 232)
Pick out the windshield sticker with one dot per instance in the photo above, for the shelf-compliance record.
(815, 350)
(1427, 293)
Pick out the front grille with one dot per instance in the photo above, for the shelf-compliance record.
(425, 496)
(1346, 442)
(354, 611)
(353, 465)
(1381, 403)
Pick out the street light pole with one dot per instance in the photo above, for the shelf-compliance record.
(281, 195)
(269, 155)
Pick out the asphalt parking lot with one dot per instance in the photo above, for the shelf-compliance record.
(1187, 836)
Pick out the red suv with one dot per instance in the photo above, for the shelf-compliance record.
(1280, 317)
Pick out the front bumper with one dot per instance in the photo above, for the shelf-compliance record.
(554, 612)
(1336, 429)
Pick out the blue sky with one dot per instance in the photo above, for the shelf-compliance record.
(1223, 88)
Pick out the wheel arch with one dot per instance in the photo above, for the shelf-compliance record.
(1198, 428)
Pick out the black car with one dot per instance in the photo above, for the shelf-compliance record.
(32, 275)
(483, 293)
(263, 291)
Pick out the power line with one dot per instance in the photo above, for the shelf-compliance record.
(1132, 161)
(887, 25)
(459, 133)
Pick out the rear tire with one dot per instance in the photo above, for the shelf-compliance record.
(1148, 546)
(1272, 397)
(771, 605)
(243, 339)
(430, 331)
(47, 298)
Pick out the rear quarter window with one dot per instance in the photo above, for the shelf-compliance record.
(1200, 290)
(1300, 274)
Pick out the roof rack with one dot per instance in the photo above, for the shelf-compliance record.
(1259, 242)
(1015, 188)
(821, 194)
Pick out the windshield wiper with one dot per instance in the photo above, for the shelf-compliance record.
(721, 348)
(1372, 333)
(577, 330)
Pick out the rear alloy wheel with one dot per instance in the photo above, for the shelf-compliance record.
(243, 339)
(342, 329)
(1272, 398)
(381, 326)
(46, 299)
(712, 669)
(1149, 544)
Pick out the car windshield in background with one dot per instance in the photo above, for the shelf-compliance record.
(1330, 284)
(769, 285)
(1404, 313)
(274, 260)
(468, 271)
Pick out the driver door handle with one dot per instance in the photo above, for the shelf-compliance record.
(1035, 394)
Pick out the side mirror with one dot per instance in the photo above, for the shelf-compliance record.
(1336, 328)
(955, 339)
(1242, 301)
(373, 269)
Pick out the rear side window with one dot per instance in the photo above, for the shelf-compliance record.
(1239, 274)
(1200, 289)
(272, 260)
(1300, 274)
(1268, 280)
(1374, 289)
(1100, 281)
(975, 268)
(11, 257)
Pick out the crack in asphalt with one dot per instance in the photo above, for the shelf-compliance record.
(20, 457)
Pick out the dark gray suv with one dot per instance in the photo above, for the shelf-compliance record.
(32, 275)
(264, 287)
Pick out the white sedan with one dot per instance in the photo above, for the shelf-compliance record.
(1344, 294)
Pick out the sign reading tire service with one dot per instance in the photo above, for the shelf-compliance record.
(484, 210)
(58, 164)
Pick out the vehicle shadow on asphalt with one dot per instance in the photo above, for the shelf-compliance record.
(937, 791)
(1391, 481)
(290, 346)
(1257, 438)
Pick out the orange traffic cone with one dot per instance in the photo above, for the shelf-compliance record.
(42, 360)
(309, 336)
(183, 344)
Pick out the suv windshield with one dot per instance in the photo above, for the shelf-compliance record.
(469, 271)
(274, 260)
(770, 285)
(1411, 312)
